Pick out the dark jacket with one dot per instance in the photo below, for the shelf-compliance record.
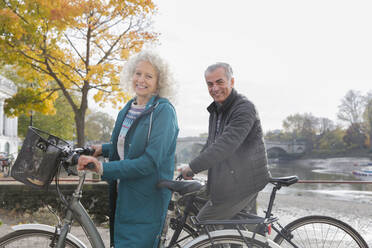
(235, 157)
(139, 207)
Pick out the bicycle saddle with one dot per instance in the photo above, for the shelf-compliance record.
(182, 187)
(284, 181)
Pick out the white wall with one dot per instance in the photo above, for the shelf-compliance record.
(8, 126)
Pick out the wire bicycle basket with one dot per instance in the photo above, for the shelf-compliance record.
(37, 162)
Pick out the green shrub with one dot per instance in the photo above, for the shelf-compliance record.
(22, 199)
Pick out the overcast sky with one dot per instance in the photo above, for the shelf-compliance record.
(288, 56)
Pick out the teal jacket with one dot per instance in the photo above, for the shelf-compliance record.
(138, 207)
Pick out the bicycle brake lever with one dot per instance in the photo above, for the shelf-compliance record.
(188, 174)
(89, 151)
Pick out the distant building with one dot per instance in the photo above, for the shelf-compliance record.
(8, 126)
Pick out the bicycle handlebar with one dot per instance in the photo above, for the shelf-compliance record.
(73, 155)
(188, 174)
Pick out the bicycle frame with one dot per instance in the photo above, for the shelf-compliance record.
(239, 230)
(75, 211)
(247, 219)
(180, 221)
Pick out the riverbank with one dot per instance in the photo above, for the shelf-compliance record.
(324, 154)
(287, 208)
(290, 207)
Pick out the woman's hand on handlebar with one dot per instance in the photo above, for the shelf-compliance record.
(97, 150)
(89, 163)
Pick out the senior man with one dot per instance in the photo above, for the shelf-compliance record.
(235, 154)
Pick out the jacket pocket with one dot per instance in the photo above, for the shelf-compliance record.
(225, 185)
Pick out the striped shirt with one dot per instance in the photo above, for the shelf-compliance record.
(133, 113)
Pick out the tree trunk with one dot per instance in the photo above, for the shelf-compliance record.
(80, 115)
(79, 122)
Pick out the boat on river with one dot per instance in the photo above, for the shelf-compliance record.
(364, 172)
(368, 164)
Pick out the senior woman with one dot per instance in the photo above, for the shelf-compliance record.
(141, 152)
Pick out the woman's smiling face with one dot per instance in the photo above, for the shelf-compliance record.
(145, 80)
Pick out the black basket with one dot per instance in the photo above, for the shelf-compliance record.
(38, 160)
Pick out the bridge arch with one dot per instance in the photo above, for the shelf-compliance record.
(276, 152)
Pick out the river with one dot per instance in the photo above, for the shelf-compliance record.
(335, 169)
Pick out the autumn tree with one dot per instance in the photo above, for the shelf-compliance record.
(351, 108)
(355, 137)
(61, 124)
(72, 48)
(278, 135)
(325, 125)
(332, 140)
(98, 126)
(302, 126)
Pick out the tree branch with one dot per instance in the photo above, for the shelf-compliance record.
(113, 45)
(51, 93)
(63, 88)
(15, 12)
(72, 45)
(101, 85)
(24, 54)
(108, 27)
(106, 91)
(67, 65)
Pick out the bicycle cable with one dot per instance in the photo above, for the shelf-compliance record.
(60, 194)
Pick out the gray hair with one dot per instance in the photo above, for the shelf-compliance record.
(225, 66)
(166, 84)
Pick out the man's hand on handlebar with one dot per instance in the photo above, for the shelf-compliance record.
(186, 171)
(89, 163)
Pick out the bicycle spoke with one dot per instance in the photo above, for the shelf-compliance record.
(321, 232)
(298, 235)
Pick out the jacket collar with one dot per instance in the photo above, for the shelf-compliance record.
(225, 105)
(150, 106)
(150, 103)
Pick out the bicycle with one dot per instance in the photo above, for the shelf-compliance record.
(6, 161)
(41, 158)
(309, 231)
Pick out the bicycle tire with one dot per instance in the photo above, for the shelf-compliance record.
(321, 231)
(230, 241)
(187, 234)
(31, 238)
(231, 238)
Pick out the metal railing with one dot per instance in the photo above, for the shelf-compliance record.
(335, 181)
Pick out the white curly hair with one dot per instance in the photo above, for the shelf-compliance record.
(166, 83)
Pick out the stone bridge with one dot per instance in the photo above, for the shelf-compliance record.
(189, 147)
(278, 148)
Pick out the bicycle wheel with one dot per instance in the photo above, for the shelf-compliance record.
(231, 239)
(229, 242)
(321, 231)
(31, 238)
(187, 234)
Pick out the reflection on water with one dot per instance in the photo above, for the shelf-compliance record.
(335, 169)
